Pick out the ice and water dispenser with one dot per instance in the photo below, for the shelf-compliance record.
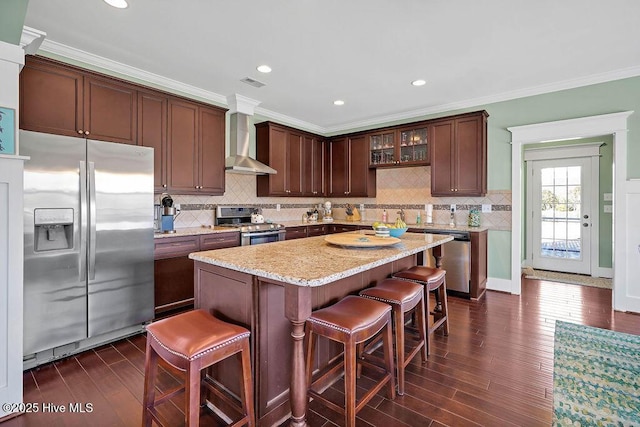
(53, 229)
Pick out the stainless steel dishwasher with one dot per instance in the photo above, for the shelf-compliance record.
(456, 260)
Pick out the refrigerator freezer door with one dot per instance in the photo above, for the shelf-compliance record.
(55, 305)
(120, 259)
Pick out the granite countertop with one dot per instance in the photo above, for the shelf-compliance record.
(439, 227)
(313, 261)
(194, 231)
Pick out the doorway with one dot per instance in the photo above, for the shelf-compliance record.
(625, 296)
(562, 232)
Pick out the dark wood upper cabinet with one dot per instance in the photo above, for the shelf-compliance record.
(314, 183)
(459, 155)
(188, 136)
(51, 98)
(182, 146)
(399, 146)
(195, 148)
(152, 132)
(348, 171)
(338, 167)
(64, 101)
(110, 110)
(294, 155)
(211, 151)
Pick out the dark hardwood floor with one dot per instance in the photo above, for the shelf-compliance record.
(494, 369)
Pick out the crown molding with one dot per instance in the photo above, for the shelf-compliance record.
(31, 39)
(291, 121)
(56, 48)
(62, 50)
(505, 96)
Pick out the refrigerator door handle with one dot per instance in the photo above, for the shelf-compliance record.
(92, 221)
(83, 221)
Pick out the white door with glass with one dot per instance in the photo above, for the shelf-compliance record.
(561, 223)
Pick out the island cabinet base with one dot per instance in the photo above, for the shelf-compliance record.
(275, 314)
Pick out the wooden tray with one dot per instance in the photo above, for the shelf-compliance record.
(357, 240)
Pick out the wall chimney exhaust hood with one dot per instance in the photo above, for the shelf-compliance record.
(239, 160)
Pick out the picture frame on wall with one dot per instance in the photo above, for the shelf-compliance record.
(7, 131)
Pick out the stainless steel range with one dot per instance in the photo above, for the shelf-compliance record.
(253, 229)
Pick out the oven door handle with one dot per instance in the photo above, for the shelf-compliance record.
(263, 233)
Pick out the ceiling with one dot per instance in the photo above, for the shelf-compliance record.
(365, 52)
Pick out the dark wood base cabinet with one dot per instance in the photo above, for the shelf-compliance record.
(173, 270)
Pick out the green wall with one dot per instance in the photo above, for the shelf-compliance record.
(12, 14)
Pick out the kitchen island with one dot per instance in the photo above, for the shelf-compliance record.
(271, 290)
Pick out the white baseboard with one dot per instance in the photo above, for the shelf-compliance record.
(496, 284)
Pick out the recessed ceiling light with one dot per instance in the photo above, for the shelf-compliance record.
(338, 102)
(264, 69)
(419, 82)
(120, 4)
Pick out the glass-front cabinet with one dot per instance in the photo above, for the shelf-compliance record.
(413, 145)
(382, 146)
(400, 146)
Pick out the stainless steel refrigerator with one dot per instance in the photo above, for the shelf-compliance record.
(88, 243)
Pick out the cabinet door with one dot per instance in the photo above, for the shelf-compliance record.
(442, 152)
(469, 159)
(313, 178)
(361, 178)
(182, 146)
(341, 228)
(219, 241)
(382, 148)
(152, 132)
(277, 159)
(211, 151)
(338, 167)
(316, 230)
(50, 99)
(295, 163)
(110, 110)
(296, 232)
(412, 146)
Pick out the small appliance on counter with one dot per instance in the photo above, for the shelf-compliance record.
(169, 214)
(327, 216)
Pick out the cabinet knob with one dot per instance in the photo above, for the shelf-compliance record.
(86, 132)
(80, 131)
(164, 185)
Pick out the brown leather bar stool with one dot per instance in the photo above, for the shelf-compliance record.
(191, 342)
(404, 297)
(350, 321)
(433, 280)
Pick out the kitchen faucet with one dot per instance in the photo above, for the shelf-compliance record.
(401, 213)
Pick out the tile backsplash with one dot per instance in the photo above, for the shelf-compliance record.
(407, 188)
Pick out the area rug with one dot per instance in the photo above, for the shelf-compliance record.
(575, 279)
(596, 377)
